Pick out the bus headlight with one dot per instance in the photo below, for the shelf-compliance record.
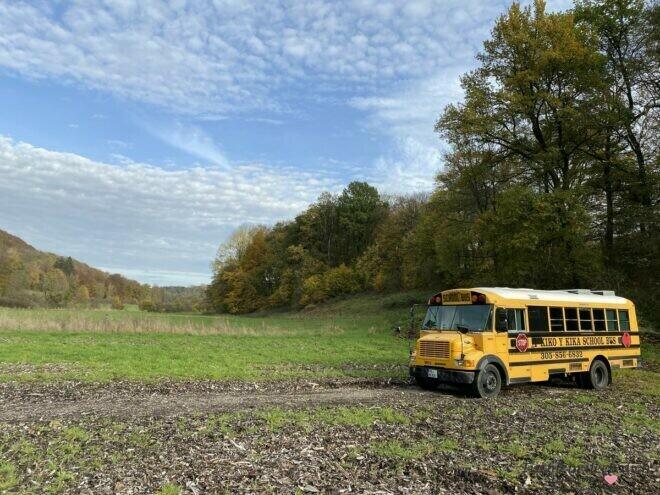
(467, 363)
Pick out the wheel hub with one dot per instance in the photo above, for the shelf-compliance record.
(491, 382)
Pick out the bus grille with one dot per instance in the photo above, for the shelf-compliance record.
(434, 349)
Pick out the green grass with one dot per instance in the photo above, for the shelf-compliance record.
(351, 337)
(8, 478)
(169, 489)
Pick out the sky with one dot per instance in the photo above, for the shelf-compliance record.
(137, 135)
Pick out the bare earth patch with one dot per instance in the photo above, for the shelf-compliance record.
(325, 436)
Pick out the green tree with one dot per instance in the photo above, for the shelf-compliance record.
(532, 97)
(538, 239)
(360, 210)
(65, 265)
(627, 32)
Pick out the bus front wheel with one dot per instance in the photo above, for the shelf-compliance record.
(598, 376)
(488, 382)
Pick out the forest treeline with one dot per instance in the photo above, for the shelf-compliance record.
(32, 278)
(551, 180)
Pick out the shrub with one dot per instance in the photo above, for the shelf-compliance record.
(116, 303)
(341, 280)
(313, 290)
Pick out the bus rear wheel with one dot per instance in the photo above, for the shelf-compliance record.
(598, 376)
(488, 382)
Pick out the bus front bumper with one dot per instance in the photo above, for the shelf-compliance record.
(442, 374)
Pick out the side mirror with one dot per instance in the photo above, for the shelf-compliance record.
(462, 329)
(502, 322)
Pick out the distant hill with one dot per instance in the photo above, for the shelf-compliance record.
(8, 241)
(27, 253)
(33, 278)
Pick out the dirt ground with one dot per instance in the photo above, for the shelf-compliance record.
(331, 436)
(38, 402)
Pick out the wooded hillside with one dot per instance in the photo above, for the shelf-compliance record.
(551, 180)
(33, 278)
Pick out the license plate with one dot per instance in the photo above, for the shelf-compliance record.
(432, 373)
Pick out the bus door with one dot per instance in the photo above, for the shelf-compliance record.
(514, 341)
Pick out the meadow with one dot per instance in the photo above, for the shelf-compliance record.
(351, 337)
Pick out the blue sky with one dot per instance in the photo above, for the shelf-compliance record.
(135, 136)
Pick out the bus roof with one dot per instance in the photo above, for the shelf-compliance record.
(585, 296)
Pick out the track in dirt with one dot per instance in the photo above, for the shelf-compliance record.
(40, 407)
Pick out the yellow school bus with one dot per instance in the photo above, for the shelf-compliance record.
(488, 337)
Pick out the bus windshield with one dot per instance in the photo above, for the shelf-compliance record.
(474, 317)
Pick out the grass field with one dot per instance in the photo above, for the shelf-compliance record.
(191, 404)
(346, 338)
(351, 337)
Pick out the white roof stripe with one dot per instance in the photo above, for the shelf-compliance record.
(551, 295)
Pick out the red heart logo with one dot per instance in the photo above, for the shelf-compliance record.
(610, 479)
(626, 339)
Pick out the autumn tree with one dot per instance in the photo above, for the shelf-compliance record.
(81, 296)
(55, 286)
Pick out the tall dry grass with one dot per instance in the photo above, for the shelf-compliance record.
(24, 320)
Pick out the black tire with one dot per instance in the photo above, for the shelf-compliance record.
(427, 383)
(488, 382)
(598, 377)
(581, 379)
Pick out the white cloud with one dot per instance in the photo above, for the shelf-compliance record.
(118, 143)
(408, 117)
(191, 139)
(138, 216)
(218, 56)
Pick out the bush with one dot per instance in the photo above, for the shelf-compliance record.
(313, 290)
(12, 302)
(146, 305)
(116, 303)
(341, 280)
(334, 282)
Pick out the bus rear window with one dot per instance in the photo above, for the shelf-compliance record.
(624, 320)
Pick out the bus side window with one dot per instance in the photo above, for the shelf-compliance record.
(556, 319)
(571, 319)
(538, 318)
(599, 320)
(624, 320)
(612, 322)
(585, 320)
(515, 320)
